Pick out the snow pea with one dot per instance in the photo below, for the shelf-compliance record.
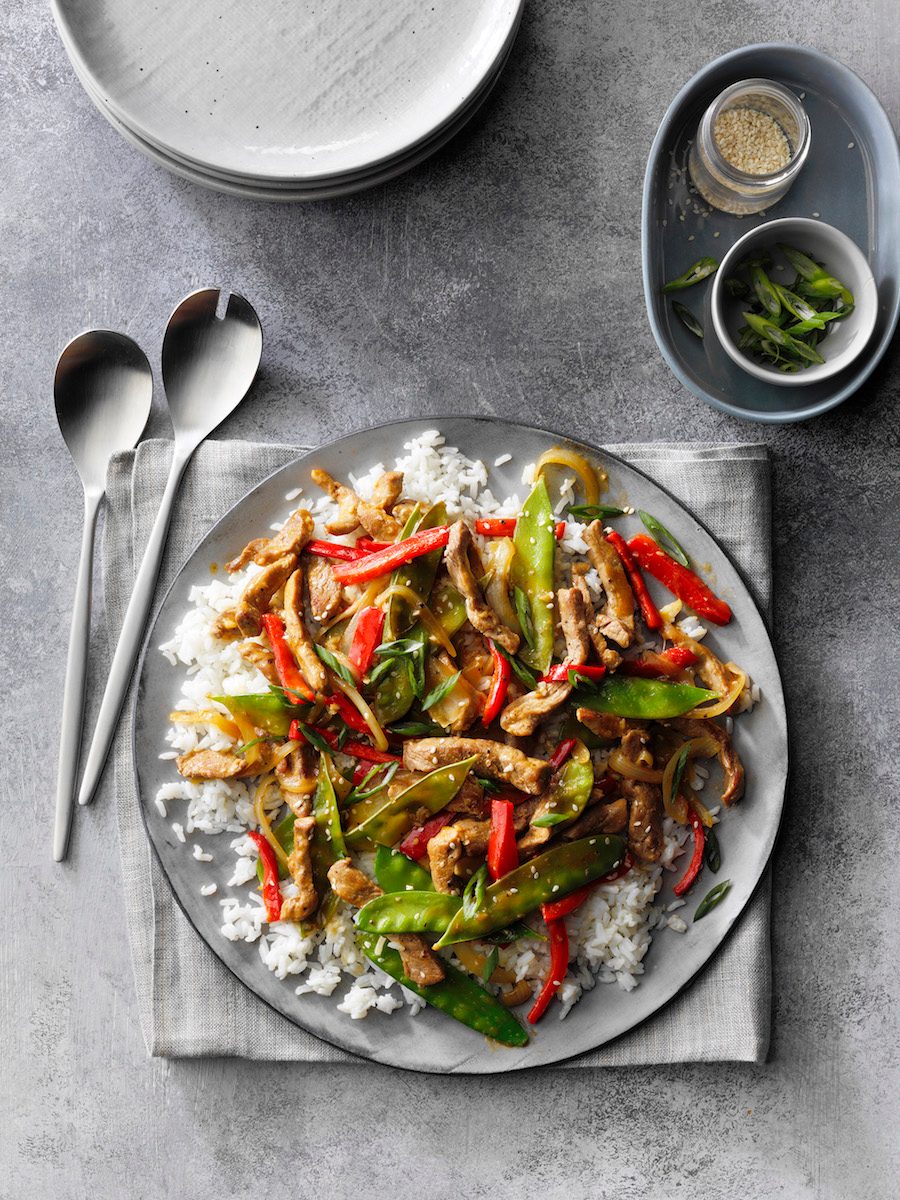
(458, 995)
(449, 607)
(394, 818)
(649, 699)
(418, 575)
(569, 792)
(328, 844)
(532, 572)
(549, 876)
(266, 710)
(397, 873)
(408, 912)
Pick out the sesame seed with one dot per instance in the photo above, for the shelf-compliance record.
(752, 141)
(850, 145)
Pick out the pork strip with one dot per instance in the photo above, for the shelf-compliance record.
(616, 618)
(297, 635)
(693, 727)
(290, 539)
(420, 962)
(257, 595)
(324, 592)
(605, 653)
(479, 612)
(522, 717)
(494, 759)
(220, 764)
(305, 903)
(449, 848)
(260, 657)
(645, 806)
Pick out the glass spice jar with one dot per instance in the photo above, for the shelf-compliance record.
(750, 145)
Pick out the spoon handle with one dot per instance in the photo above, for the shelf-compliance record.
(73, 691)
(121, 672)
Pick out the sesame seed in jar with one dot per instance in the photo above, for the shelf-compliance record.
(752, 141)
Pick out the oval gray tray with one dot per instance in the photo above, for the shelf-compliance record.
(851, 180)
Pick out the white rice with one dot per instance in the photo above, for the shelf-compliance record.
(609, 934)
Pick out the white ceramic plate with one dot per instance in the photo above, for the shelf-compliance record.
(294, 193)
(286, 90)
(431, 1041)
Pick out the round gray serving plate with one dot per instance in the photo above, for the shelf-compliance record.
(851, 180)
(431, 1041)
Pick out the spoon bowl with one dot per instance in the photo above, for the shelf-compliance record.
(208, 362)
(102, 388)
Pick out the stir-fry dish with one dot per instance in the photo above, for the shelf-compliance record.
(459, 742)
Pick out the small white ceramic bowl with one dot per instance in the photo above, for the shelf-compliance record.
(842, 258)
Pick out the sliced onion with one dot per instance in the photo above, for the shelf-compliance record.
(676, 806)
(473, 960)
(366, 597)
(723, 704)
(499, 554)
(378, 734)
(206, 716)
(593, 479)
(249, 733)
(262, 818)
(622, 765)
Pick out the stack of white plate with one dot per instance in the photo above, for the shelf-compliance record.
(288, 99)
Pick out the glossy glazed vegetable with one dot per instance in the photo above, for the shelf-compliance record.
(594, 479)
(689, 878)
(672, 661)
(570, 790)
(644, 699)
(549, 876)
(562, 752)
(700, 270)
(663, 537)
(366, 636)
(397, 873)
(270, 890)
(383, 562)
(328, 843)
(681, 581)
(336, 550)
(459, 996)
(562, 908)
(566, 673)
(649, 611)
(496, 697)
(357, 749)
(532, 574)
(415, 844)
(408, 912)
(265, 710)
(388, 824)
(506, 527)
(295, 686)
(559, 964)
(418, 575)
(502, 852)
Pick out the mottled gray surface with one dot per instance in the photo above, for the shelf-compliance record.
(501, 277)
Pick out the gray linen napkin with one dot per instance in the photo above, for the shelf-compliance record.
(189, 1004)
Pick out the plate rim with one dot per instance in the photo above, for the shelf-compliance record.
(470, 1066)
(692, 86)
(331, 178)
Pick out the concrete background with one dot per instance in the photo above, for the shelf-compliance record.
(503, 276)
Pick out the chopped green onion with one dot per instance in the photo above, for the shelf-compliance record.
(712, 853)
(523, 612)
(246, 746)
(665, 540)
(595, 512)
(441, 691)
(490, 965)
(473, 895)
(334, 663)
(687, 318)
(701, 269)
(711, 899)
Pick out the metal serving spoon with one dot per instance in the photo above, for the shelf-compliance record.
(103, 388)
(208, 365)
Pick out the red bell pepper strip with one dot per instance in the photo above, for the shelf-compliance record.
(496, 696)
(562, 908)
(358, 749)
(369, 547)
(294, 732)
(382, 562)
(506, 527)
(559, 673)
(502, 851)
(335, 550)
(561, 753)
(681, 582)
(651, 666)
(559, 964)
(649, 611)
(366, 637)
(348, 712)
(686, 882)
(288, 675)
(270, 889)
(415, 844)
